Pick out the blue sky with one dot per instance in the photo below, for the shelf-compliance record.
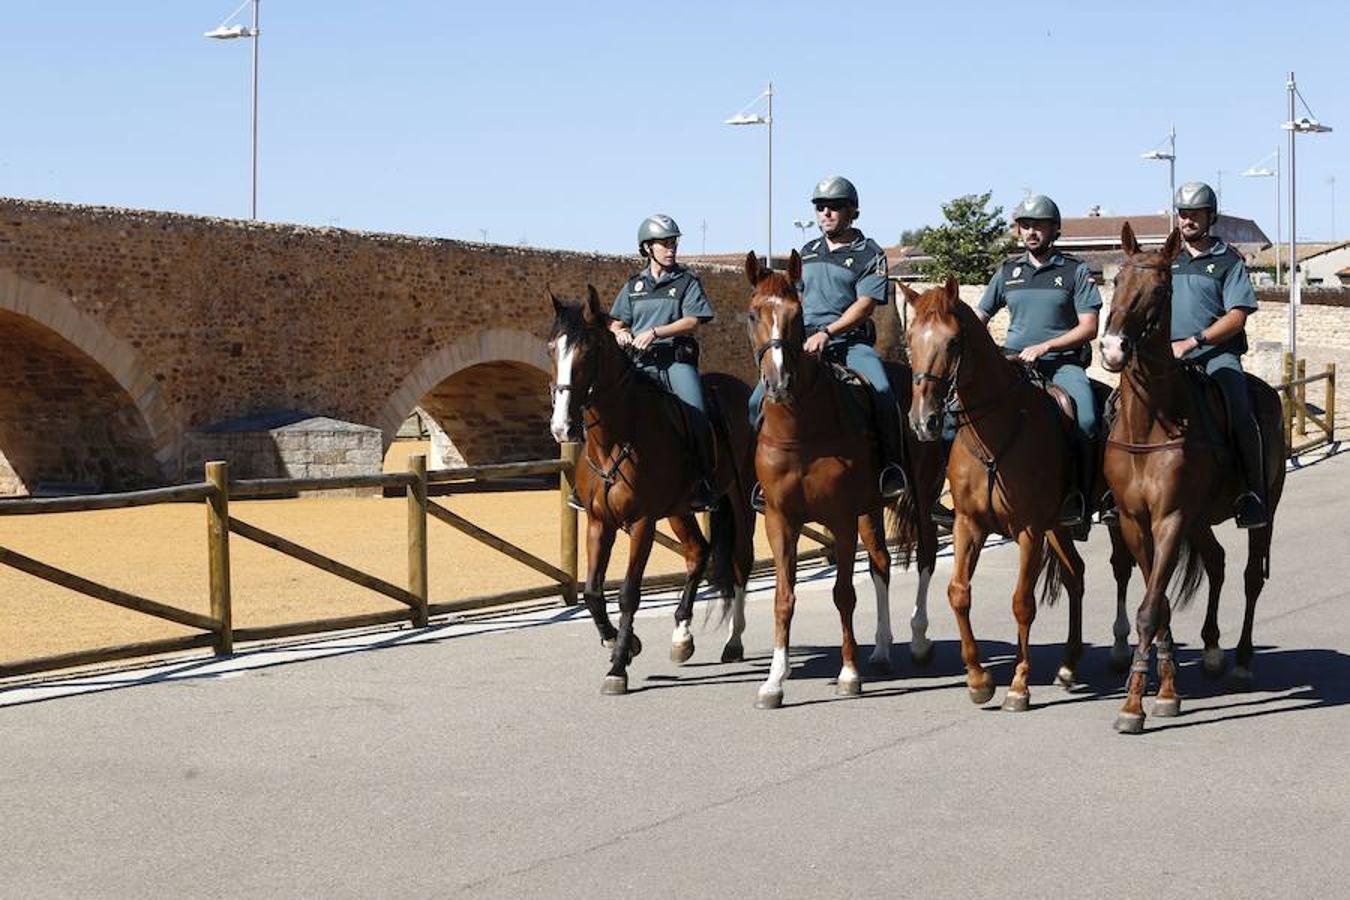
(563, 124)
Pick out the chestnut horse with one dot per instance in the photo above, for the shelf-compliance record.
(1171, 483)
(817, 463)
(1010, 469)
(635, 469)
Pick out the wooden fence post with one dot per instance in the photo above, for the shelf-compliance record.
(1331, 402)
(218, 554)
(1302, 394)
(417, 538)
(1287, 403)
(568, 453)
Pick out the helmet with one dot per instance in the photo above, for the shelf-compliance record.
(657, 227)
(836, 187)
(1196, 195)
(1037, 206)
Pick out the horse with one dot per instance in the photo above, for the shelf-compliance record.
(1010, 468)
(1171, 483)
(635, 470)
(816, 464)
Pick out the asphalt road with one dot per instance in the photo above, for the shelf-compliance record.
(480, 760)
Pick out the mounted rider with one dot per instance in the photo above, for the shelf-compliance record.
(1053, 304)
(1211, 298)
(654, 317)
(843, 281)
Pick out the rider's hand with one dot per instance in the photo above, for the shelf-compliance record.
(624, 337)
(644, 339)
(1034, 352)
(1182, 347)
(815, 344)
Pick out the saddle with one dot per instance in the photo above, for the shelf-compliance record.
(859, 400)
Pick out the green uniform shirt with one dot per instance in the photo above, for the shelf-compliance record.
(645, 302)
(1206, 286)
(832, 280)
(1043, 303)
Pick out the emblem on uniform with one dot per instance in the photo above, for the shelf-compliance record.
(1210, 268)
(1017, 272)
(672, 292)
(1059, 281)
(638, 286)
(849, 261)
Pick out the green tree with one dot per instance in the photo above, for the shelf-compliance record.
(910, 236)
(970, 245)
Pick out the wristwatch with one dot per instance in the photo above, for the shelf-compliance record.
(1199, 338)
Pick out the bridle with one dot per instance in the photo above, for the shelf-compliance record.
(946, 384)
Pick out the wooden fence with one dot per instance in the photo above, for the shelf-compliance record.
(217, 630)
(1297, 412)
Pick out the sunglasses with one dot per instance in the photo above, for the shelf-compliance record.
(836, 205)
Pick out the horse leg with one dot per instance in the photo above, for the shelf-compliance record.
(695, 563)
(734, 650)
(1211, 553)
(872, 531)
(1122, 564)
(783, 541)
(743, 562)
(920, 647)
(968, 540)
(1073, 568)
(1032, 547)
(849, 683)
(1254, 579)
(1153, 618)
(599, 543)
(640, 537)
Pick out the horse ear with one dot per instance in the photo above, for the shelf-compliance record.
(794, 270)
(1127, 241)
(1173, 245)
(752, 268)
(557, 304)
(952, 287)
(591, 311)
(910, 294)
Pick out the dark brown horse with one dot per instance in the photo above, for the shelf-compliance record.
(1171, 482)
(817, 463)
(1010, 469)
(636, 469)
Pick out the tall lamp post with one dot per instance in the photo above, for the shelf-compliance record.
(803, 225)
(225, 32)
(1171, 157)
(1305, 125)
(744, 118)
(1258, 170)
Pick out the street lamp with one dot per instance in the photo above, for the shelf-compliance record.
(804, 225)
(225, 32)
(1171, 157)
(1257, 170)
(1306, 125)
(744, 118)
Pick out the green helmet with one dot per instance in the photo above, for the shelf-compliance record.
(836, 187)
(1196, 195)
(1037, 206)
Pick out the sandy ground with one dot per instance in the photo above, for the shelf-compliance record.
(160, 552)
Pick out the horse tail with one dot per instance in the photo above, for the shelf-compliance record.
(1052, 576)
(1189, 575)
(721, 573)
(902, 527)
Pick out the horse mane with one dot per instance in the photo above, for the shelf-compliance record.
(570, 322)
(774, 284)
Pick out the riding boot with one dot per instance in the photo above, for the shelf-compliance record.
(892, 481)
(703, 497)
(941, 515)
(1085, 451)
(757, 501)
(1250, 507)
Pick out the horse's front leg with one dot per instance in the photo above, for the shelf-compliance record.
(849, 683)
(1032, 546)
(640, 536)
(599, 544)
(695, 563)
(872, 531)
(1122, 564)
(967, 541)
(783, 541)
(1152, 619)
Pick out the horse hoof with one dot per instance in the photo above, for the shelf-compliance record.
(1167, 707)
(1243, 675)
(921, 656)
(1120, 658)
(1015, 702)
(880, 665)
(1130, 723)
(733, 653)
(851, 687)
(768, 700)
(614, 685)
(1064, 677)
(680, 653)
(981, 695)
(1214, 661)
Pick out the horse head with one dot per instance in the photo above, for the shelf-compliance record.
(775, 324)
(579, 342)
(1141, 305)
(935, 347)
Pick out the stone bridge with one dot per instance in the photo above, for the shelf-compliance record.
(134, 345)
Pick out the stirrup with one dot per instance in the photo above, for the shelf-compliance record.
(1249, 511)
(574, 501)
(892, 482)
(757, 502)
(942, 516)
(1108, 514)
(703, 498)
(1073, 511)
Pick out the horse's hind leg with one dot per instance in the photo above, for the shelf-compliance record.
(845, 534)
(1073, 570)
(743, 561)
(626, 646)
(920, 647)
(695, 562)
(1254, 579)
(872, 531)
(599, 544)
(1122, 564)
(1212, 555)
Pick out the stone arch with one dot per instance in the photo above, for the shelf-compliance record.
(487, 390)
